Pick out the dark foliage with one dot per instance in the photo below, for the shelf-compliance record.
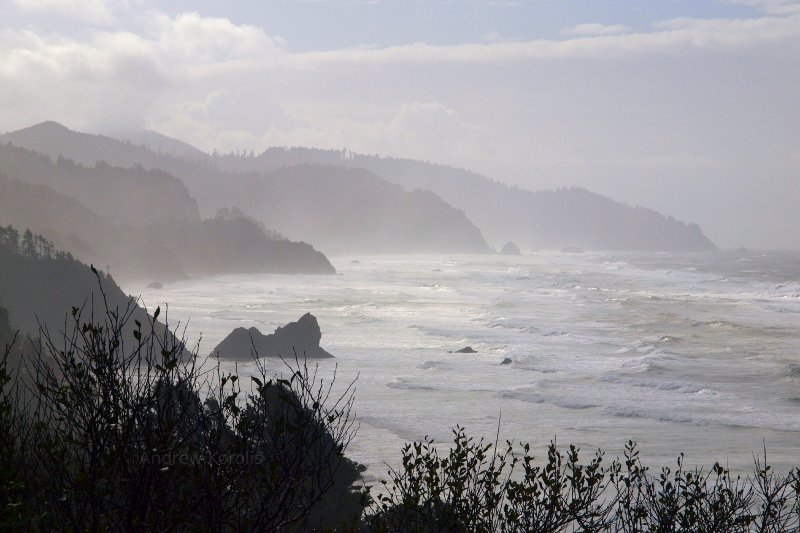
(101, 432)
(478, 486)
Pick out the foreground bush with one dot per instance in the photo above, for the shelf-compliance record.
(101, 434)
(478, 486)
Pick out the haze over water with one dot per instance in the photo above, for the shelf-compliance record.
(693, 352)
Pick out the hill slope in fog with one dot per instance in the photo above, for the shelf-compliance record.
(403, 221)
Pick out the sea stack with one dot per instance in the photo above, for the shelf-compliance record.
(510, 249)
(301, 337)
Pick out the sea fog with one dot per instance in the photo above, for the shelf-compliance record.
(693, 353)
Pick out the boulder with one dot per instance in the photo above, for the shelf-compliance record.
(510, 249)
(301, 337)
(465, 349)
(506, 361)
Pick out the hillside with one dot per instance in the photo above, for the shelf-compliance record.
(41, 285)
(166, 251)
(238, 245)
(352, 210)
(339, 210)
(542, 219)
(132, 196)
(54, 139)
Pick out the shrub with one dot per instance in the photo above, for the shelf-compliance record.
(476, 486)
(140, 436)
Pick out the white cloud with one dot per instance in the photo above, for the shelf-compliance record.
(95, 11)
(666, 118)
(594, 29)
(198, 39)
(779, 7)
(669, 37)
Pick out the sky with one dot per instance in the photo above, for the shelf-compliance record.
(688, 107)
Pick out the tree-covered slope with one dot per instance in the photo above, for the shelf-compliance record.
(533, 219)
(166, 251)
(336, 209)
(132, 196)
(352, 210)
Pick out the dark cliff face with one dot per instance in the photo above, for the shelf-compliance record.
(301, 338)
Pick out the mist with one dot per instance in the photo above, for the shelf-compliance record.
(688, 113)
(254, 255)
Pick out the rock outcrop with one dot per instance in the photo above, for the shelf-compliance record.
(510, 249)
(465, 349)
(301, 337)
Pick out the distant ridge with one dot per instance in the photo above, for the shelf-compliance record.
(345, 210)
(536, 219)
(544, 219)
(142, 224)
(135, 196)
(162, 144)
(532, 219)
(359, 212)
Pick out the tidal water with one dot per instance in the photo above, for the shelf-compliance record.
(695, 353)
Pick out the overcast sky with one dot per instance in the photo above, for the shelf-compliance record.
(691, 107)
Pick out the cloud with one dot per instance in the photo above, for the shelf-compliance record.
(118, 77)
(778, 7)
(669, 37)
(594, 29)
(196, 39)
(94, 11)
(113, 77)
(679, 118)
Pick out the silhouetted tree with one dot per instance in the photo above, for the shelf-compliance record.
(135, 436)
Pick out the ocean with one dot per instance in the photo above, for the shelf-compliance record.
(692, 353)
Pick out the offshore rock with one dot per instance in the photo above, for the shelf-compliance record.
(510, 249)
(301, 337)
(465, 349)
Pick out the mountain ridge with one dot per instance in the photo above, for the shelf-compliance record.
(448, 230)
(533, 219)
(502, 211)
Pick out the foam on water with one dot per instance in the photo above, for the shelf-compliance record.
(603, 348)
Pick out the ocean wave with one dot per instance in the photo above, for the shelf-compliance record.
(745, 419)
(407, 384)
(682, 387)
(635, 412)
(533, 397)
(651, 361)
(792, 372)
